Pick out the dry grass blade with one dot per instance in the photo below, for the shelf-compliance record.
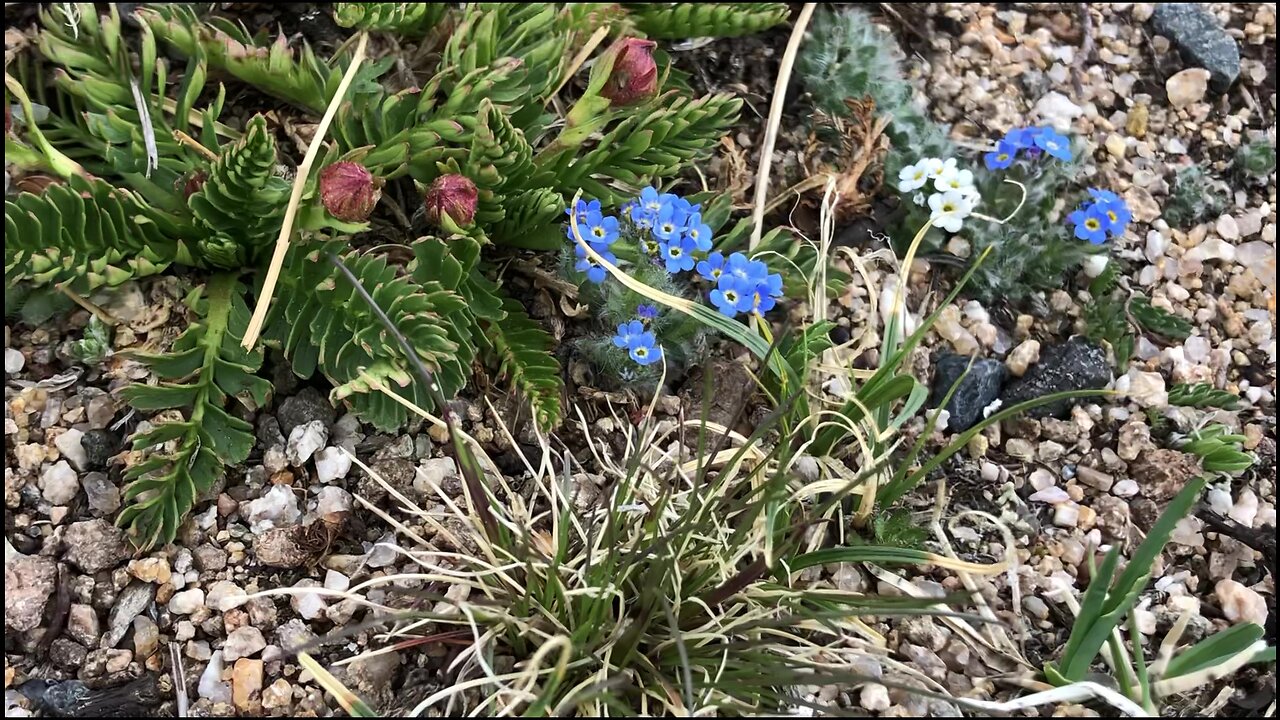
(295, 198)
(775, 121)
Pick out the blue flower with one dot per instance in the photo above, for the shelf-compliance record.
(712, 267)
(647, 312)
(667, 225)
(1114, 210)
(595, 273)
(646, 209)
(1002, 157)
(583, 209)
(1091, 224)
(597, 229)
(730, 297)
(678, 255)
(698, 231)
(740, 268)
(1021, 138)
(641, 349)
(628, 332)
(766, 293)
(1054, 144)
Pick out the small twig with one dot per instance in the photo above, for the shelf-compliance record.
(185, 139)
(101, 314)
(775, 121)
(1086, 49)
(295, 198)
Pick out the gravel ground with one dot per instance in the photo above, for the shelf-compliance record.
(81, 604)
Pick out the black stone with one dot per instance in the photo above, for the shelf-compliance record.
(978, 389)
(1076, 364)
(304, 407)
(1201, 41)
(99, 446)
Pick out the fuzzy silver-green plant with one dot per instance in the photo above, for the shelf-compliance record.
(1194, 198)
(1256, 160)
(846, 56)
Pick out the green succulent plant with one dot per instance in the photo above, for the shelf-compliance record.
(150, 178)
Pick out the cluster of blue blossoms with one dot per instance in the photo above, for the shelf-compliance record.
(1033, 141)
(639, 342)
(1104, 215)
(670, 233)
(741, 285)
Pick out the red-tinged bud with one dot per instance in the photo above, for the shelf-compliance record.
(349, 191)
(634, 77)
(193, 182)
(453, 196)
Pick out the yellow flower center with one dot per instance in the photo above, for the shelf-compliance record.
(1111, 215)
(1092, 224)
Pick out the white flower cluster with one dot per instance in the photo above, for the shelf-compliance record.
(954, 196)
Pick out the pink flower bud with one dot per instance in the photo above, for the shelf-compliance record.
(634, 77)
(349, 191)
(453, 196)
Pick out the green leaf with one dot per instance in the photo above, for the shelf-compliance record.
(1214, 650)
(1155, 320)
(407, 19)
(683, 20)
(524, 358)
(1200, 395)
(164, 487)
(161, 397)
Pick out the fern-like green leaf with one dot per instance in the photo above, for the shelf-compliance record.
(656, 143)
(85, 235)
(682, 20)
(1152, 319)
(1201, 395)
(323, 325)
(241, 204)
(295, 77)
(405, 19)
(101, 92)
(204, 367)
(523, 352)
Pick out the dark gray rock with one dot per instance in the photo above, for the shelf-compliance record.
(978, 389)
(99, 446)
(135, 598)
(67, 654)
(1076, 364)
(304, 407)
(1201, 41)
(94, 545)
